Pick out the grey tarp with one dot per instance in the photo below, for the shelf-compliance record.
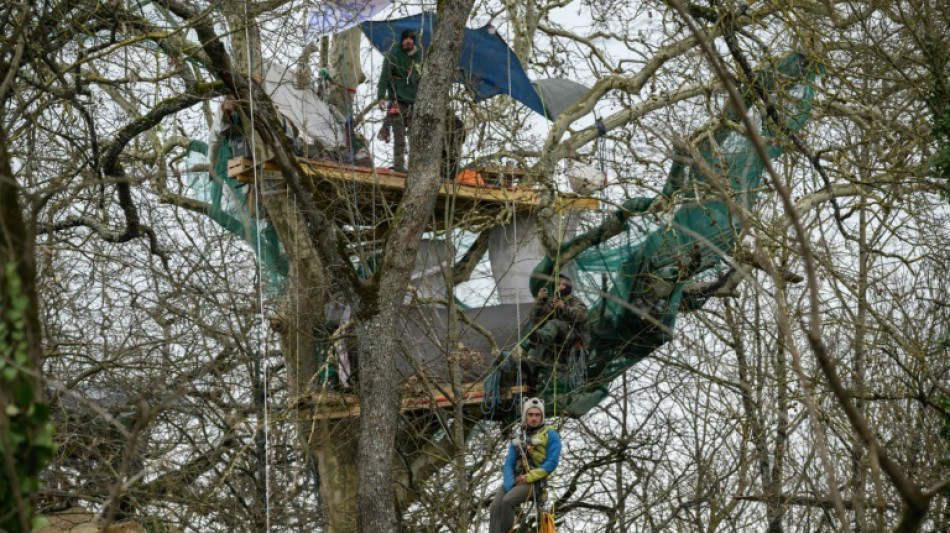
(558, 94)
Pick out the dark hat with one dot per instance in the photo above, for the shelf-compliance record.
(568, 286)
(408, 34)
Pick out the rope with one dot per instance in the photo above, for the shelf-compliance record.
(557, 268)
(492, 398)
(262, 347)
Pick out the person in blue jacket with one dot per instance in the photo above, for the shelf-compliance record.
(532, 456)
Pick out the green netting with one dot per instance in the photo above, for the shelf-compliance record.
(640, 274)
(228, 205)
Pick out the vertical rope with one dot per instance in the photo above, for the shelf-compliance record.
(262, 346)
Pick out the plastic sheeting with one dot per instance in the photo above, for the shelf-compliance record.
(335, 16)
(559, 94)
(313, 116)
(515, 248)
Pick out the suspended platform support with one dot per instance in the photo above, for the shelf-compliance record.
(333, 405)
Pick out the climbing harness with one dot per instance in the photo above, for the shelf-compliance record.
(539, 497)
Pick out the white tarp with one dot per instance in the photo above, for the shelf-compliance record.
(559, 94)
(315, 118)
(333, 16)
(515, 249)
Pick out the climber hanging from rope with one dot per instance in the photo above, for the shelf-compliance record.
(532, 456)
(560, 326)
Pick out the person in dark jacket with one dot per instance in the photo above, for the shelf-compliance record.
(559, 322)
(396, 91)
(452, 145)
(532, 456)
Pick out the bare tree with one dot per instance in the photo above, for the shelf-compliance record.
(808, 394)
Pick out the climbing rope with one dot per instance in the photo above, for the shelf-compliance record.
(492, 399)
(262, 346)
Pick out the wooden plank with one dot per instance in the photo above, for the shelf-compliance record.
(240, 168)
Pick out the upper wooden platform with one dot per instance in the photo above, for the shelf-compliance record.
(362, 197)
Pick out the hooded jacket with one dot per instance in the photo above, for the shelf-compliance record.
(574, 315)
(399, 79)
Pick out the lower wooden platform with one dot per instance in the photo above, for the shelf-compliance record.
(335, 405)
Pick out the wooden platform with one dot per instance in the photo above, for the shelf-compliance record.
(335, 405)
(364, 197)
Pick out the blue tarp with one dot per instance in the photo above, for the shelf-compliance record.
(488, 66)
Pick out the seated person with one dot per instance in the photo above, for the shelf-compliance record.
(560, 324)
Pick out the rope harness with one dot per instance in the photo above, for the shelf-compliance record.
(538, 497)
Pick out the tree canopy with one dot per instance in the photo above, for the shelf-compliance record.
(809, 392)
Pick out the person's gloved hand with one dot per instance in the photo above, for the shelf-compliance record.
(384, 134)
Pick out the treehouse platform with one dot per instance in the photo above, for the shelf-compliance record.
(334, 405)
(363, 197)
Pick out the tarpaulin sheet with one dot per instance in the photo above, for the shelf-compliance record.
(559, 94)
(488, 66)
(334, 16)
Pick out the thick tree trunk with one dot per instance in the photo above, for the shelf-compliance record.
(301, 312)
(334, 447)
(379, 410)
(346, 69)
(27, 437)
(379, 391)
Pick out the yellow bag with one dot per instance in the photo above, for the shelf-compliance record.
(547, 524)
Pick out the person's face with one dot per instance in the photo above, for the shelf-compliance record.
(408, 43)
(533, 417)
(562, 286)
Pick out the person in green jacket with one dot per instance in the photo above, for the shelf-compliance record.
(560, 325)
(396, 91)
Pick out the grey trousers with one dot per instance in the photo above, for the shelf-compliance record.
(505, 506)
(400, 124)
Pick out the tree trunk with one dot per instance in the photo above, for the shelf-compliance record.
(334, 446)
(379, 410)
(25, 435)
(378, 307)
(346, 69)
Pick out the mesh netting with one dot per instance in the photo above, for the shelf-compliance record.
(233, 209)
(639, 276)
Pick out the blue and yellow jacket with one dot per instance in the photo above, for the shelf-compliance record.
(545, 450)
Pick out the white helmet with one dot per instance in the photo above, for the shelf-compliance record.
(532, 403)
